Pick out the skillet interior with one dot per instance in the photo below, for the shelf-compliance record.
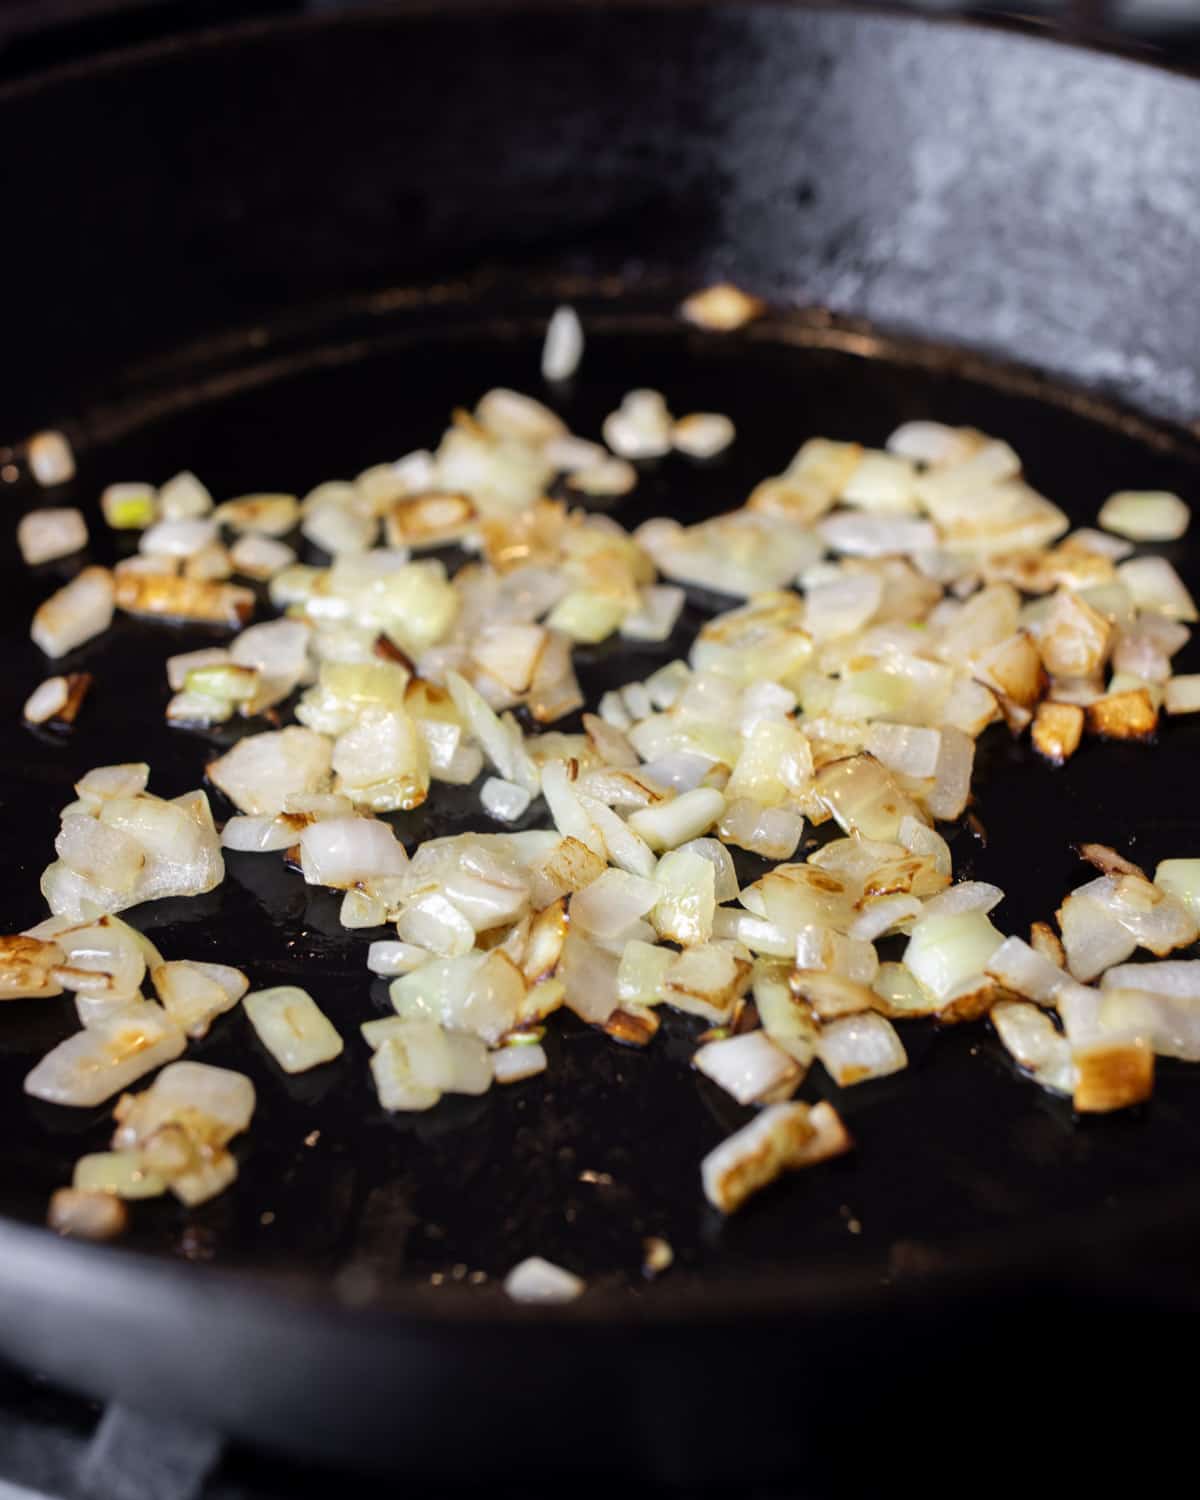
(1028, 242)
(952, 1148)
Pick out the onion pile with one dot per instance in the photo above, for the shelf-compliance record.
(885, 607)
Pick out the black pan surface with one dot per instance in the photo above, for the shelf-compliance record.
(373, 1251)
(583, 1164)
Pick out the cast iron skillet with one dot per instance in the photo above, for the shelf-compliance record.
(280, 253)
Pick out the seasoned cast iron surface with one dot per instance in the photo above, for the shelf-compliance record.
(582, 1163)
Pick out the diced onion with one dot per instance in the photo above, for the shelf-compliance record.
(262, 770)
(86, 1216)
(77, 612)
(97, 1063)
(51, 460)
(291, 1027)
(44, 535)
(750, 1067)
(47, 700)
(1145, 515)
(542, 1283)
(345, 852)
(945, 950)
(860, 1047)
(782, 1138)
(702, 434)
(181, 538)
(676, 822)
(514, 1064)
(563, 348)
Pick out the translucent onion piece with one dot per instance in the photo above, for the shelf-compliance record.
(381, 761)
(105, 957)
(432, 1058)
(86, 1216)
(686, 902)
(640, 427)
(708, 980)
(486, 888)
(1170, 1025)
(862, 535)
(179, 1125)
(1145, 515)
(51, 460)
(500, 742)
(860, 1047)
(46, 701)
(686, 817)
(831, 952)
(742, 553)
(513, 415)
(1177, 979)
(608, 477)
(642, 973)
(345, 852)
(107, 1057)
(967, 895)
(262, 770)
(1183, 695)
(612, 902)
(183, 496)
(750, 1067)
(179, 538)
(542, 1283)
(178, 667)
(80, 610)
(515, 1064)
(1154, 585)
(43, 535)
(952, 774)
(721, 308)
(1155, 919)
(657, 614)
(397, 1089)
(702, 434)
(902, 993)
(1094, 939)
(563, 348)
(932, 443)
(257, 835)
(864, 798)
(99, 853)
(270, 515)
(292, 1029)
(772, 832)
(120, 1173)
(195, 994)
(904, 748)
(103, 782)
(1034, 1042)
(945, 951)
(504, 800)
(782, 1138)
(181, 849)
(475, 993)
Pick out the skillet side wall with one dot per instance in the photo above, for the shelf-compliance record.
(986, 189)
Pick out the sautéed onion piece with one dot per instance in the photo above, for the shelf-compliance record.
(881, 609)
